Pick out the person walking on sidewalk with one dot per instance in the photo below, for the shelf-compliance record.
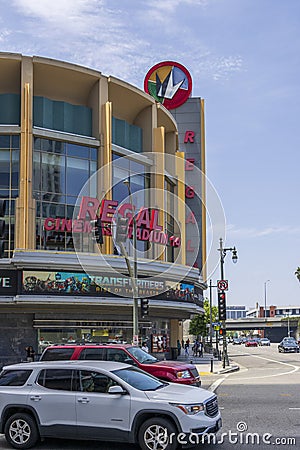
(200, 349)
(187, 348)
(178, 347)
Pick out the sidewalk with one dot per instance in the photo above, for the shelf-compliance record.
(208, 365)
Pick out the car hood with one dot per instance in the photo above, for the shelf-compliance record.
(175, 393)
(174, 364)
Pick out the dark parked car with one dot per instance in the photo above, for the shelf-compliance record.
(288, 345)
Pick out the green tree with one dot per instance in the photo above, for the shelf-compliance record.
(198, 323)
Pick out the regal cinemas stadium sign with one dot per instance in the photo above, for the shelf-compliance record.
(147, 221)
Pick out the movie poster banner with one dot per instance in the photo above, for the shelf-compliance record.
(82, 284)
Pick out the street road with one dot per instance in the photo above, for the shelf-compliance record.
(259, 403)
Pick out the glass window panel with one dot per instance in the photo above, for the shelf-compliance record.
(77, 175)
(47, 145)
(36, 171)
(53, 210)
(4, 169)
(120, 174)
(4, 193)
(71, 200)
(137, 182)
(15, 158)
(37, 143)
(53, 173)
(15, 141)
(38, 209)
(121, 162)
(5, 141)
(136, 167)
(70, 210)
(77, 150)
(94, 154)
(59, 147)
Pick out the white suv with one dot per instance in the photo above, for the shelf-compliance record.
(101, 400)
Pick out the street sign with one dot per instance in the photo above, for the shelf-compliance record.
(218, 324)
(222, 285)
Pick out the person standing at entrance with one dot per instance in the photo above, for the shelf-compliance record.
(178, 347)
(30, 353)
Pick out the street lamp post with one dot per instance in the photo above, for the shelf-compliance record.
(266, 299)
(134, 277)
(223, 252)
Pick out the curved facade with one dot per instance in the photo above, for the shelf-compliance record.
(69, 137)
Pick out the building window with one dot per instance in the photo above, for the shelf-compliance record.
(60, 170)
(9, 185)
(125, 168)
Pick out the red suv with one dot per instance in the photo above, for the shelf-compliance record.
(173, 371)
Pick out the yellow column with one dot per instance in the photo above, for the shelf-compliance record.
(106, 163)
(159, 201)
(25, 205)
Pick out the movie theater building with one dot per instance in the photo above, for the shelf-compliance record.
(62, 125)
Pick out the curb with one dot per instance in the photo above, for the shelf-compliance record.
(233, 368)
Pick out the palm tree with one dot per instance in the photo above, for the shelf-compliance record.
(297, 273)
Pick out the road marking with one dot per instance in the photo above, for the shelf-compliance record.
(215, 384)
(289, 408)
(295, 368)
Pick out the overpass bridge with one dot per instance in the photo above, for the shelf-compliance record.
(273, 328)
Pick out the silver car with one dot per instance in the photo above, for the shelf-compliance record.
(101, 400)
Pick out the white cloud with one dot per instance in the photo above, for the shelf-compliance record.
(232, 230)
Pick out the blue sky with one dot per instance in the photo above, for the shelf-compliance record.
(244, 58)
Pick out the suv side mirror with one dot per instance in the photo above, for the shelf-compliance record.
(117, 390)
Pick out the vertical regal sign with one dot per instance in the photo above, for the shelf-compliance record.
(170, 83)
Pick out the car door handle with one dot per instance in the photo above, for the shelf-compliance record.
(35, 398)
(83, 400)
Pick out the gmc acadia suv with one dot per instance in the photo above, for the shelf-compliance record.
(101, 400)
(174, 371)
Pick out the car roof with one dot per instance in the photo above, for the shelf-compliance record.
(90, 345)
(74, 364)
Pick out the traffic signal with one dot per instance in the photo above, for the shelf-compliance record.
(144, 307)
(222, 332)
(222, 306)
(122, 229)
(97, 231)
(2, 228)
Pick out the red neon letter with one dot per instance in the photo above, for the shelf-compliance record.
(189, 136)
(88, 206)
(189, 164)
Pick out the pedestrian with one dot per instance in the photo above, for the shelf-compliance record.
(30, 353)
(196, 348)
(178, 347)
(187, 348)
(200, 349)
(145, 347)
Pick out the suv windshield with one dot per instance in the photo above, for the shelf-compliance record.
(141, 356)
(139, 379)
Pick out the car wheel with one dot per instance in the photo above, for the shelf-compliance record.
(21, 431)
(157, 433)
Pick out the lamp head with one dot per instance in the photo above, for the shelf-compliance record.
(234, 255)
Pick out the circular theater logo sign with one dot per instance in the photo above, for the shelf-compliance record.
(169, 83)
